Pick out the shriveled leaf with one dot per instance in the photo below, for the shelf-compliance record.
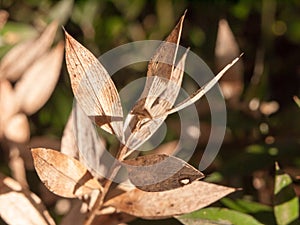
(286, 203)
(140, 127)
(160, 172)
(226, 49)
(38, 83)
(68, 141)
(93, 88)
(17, 128)
(160, 92)
(92, 152)
(217, 216)
(154, 205)
(19, 206)
(63, 175)
(18, 59)
(203, 90)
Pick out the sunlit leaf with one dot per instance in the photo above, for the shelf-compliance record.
(63, 175)
(93, 88)
(20, 206)
(68, 141)
(160, 92)
(286, 205)
(17, 60)
(202, 91)
(92, 152)
(154, 205)
(217, 216)
(44, 74)
(160, 172)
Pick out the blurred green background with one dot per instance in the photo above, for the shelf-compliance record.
(267, 31)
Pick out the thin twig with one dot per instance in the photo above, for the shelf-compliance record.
(113, 173)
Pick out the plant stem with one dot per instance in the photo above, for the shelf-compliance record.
(113, 173)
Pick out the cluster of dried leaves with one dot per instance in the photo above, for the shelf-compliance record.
(78, 170)
(28, 75)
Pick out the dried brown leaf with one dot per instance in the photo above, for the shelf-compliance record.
(8, 103)
(226, 49)
(18, 59)
(93, 88)
(155, 205)
(203, 90)
(63, 175)
(44, 74)
(68, 141)
(160, 92)
(19, 206)
(160, 172)
(17, 128)
(92, 152)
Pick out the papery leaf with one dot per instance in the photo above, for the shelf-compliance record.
(44, 72)
(93, 88)
(202, 91)
(20, 206)
(226, 49)
(69, 144)
(92, 151)
(286, 202)
(17, 60)
(63, 175)
(139, 128)
(217, 216)
(154, 205)
(160, 172)
(160, 92)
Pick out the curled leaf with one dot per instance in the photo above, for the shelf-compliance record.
(203, 90)
(160, 172)
(19, 206)
(93, 88)
(160, 92)
(154, 205)
(63, 175)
